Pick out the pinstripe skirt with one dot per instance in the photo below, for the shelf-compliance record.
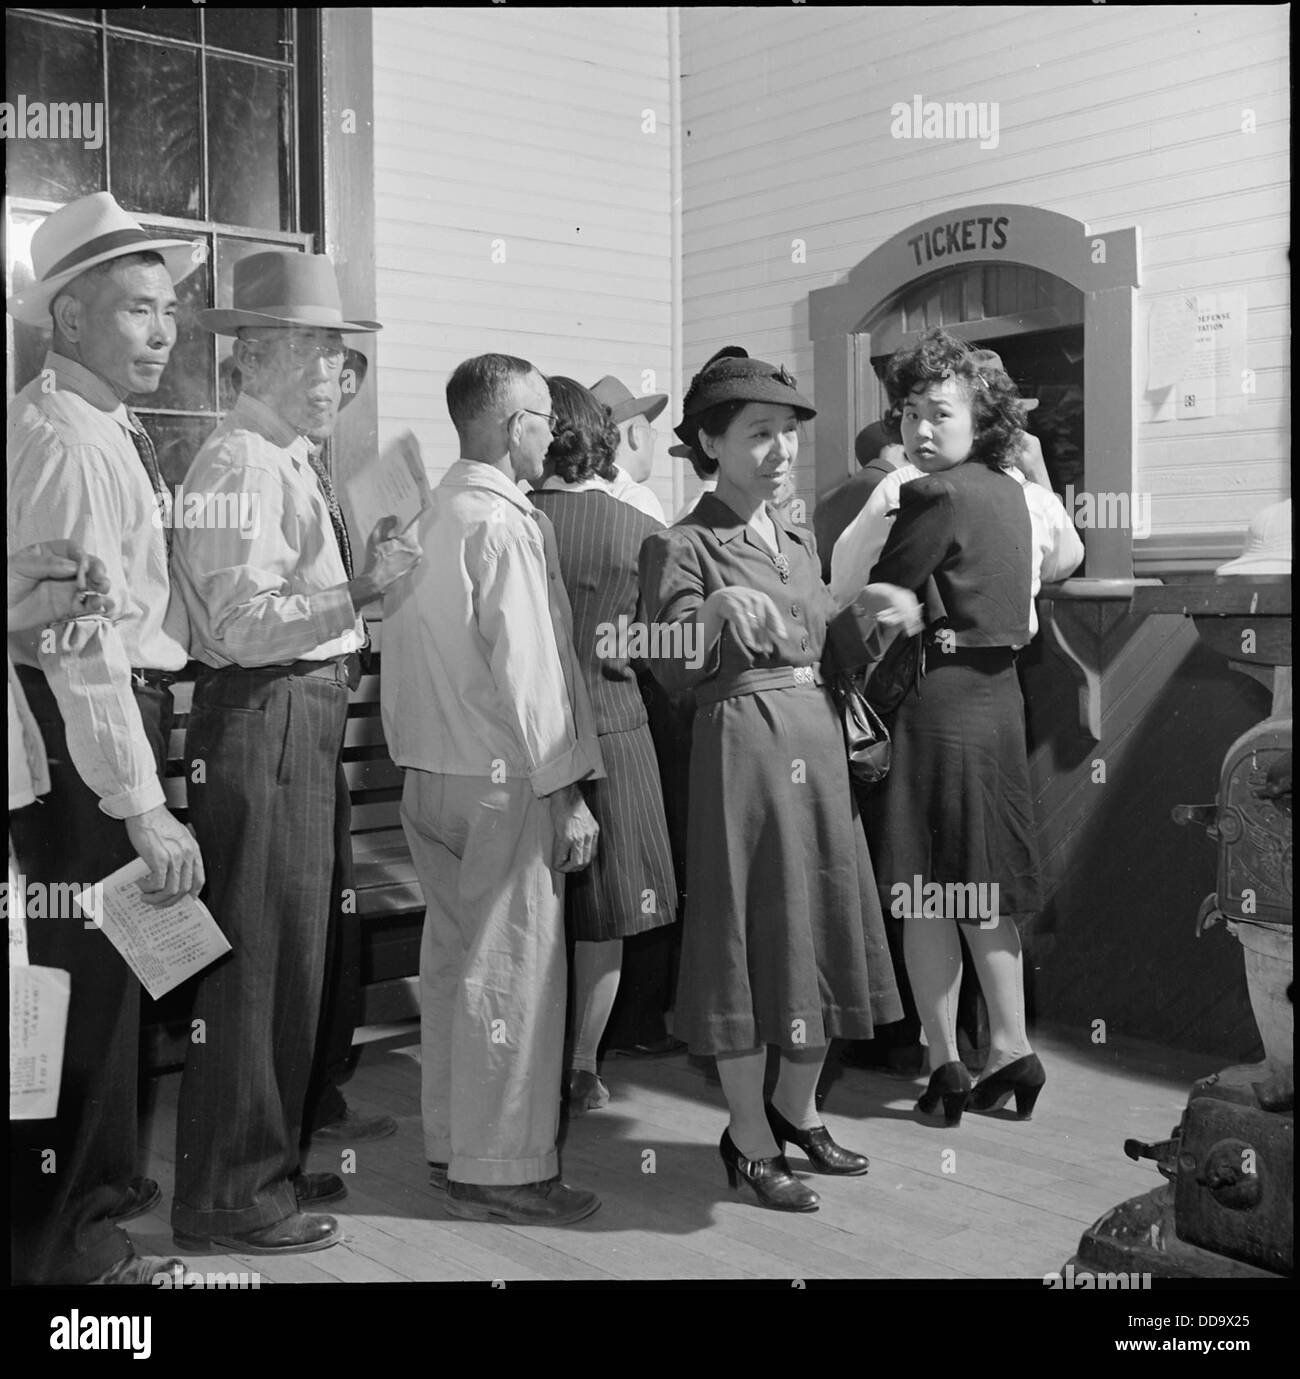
(630, 886)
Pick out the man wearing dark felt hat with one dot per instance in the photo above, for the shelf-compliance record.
(634, 417)
(275, 621)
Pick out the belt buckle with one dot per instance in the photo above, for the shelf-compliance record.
(803, 675)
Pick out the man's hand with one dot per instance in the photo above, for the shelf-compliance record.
(55, 581)
(1028, 459)
(892, 606)
(389, 555)
(751, 614)
(170, 849)
(575, 830)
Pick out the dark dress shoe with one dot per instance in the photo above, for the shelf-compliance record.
(529, 1204)
(315, 1189)
(950, 1085)
(142, 1196)
(353, 1128)
(1025, 1078)
(822, 1153)
(438, 1176)
(143, 1271)
(296, 1234)
(771, 1179)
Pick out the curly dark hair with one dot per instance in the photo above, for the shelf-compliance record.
(997, 410)
(586, 438)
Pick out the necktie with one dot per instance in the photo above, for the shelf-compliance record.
(317, 461)
(143, 443)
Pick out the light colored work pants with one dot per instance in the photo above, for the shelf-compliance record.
(492, 976)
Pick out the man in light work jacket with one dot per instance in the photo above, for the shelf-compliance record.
(82, 468)
(275, 616)
(485, 707)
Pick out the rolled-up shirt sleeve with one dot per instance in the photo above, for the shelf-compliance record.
(66, 493)
(241, 572)
(514, 619)
(88, 672)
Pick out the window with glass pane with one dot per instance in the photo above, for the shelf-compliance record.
(197, 139)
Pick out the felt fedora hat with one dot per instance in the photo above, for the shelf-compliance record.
(81, 235)
(732, 376)
(624, 404)
(281, 287)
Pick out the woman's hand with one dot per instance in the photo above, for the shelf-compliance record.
(752, 616)
(892, 606)
(1028, 459)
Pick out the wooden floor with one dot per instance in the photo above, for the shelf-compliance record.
(995, 1198)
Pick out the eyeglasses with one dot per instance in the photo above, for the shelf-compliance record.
(304, 352)
(551, 420)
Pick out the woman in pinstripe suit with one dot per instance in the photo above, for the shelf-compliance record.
(630, 886)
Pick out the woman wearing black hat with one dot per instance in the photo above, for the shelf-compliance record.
(783, 940)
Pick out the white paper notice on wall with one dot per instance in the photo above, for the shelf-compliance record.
(1214, 382)
(1171, 338)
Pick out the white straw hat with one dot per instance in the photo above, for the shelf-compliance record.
(86, 232)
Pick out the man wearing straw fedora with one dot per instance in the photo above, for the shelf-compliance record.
(274, 608)
(81, 468)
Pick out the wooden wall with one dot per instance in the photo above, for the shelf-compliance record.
(1115, 942)
(518, 131)
(1116, 115)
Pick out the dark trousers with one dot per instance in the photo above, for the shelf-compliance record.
(70, 1173)
(341, 1003)
(264, 809)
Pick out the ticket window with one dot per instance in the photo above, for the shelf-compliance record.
(1032, 319)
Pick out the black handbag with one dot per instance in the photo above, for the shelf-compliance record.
(866, 739)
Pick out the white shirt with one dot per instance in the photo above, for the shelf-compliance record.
(1057, 551)
(269, 590)
(626, 489)
(479, 670)
(74, 472)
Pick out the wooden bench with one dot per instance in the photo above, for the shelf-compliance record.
(389, 899)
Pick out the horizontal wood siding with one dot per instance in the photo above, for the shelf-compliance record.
(521, 130)
(1115, 115)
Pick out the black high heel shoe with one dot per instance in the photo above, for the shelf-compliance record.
(950, 1084)
(771, 1179)
(1025, 1077)
(822, 1153)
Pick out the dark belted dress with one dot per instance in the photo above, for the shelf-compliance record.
(783, 937)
